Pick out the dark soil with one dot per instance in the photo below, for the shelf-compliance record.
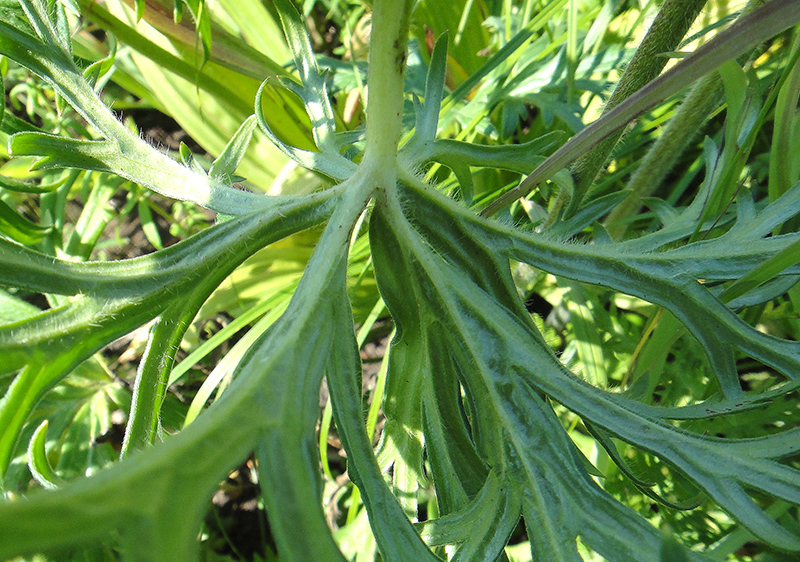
(236, 523)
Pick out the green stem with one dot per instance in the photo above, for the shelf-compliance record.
(387, 59)
(764, 22)
(669, 27)
(150, 386)
(679, 134)
(681, 131)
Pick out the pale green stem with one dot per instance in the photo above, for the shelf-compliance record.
(572, 48)
(387, 60)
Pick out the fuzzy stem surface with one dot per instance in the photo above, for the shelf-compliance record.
(669, 27)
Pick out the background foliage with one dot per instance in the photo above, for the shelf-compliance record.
(604, 368)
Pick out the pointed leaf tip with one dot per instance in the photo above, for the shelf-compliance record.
(38, 463)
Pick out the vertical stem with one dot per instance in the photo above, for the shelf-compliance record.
(781, 173)
(387, 60)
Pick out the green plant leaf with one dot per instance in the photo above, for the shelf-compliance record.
(503, 402)
(224, 167)
(539, 372)
(18, 228)
(202, 23)
(726, 486)
(26, 187)
(330, 164)
(37, 460)
(179, 182)
(396, 538)
(109, 290)
(313, 89)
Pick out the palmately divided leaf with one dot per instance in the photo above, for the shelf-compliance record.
(478, 313)
(472, 385)
(500, 343)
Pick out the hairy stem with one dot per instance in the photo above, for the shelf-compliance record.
(669, 27)
(681, 131)
(660, 159)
